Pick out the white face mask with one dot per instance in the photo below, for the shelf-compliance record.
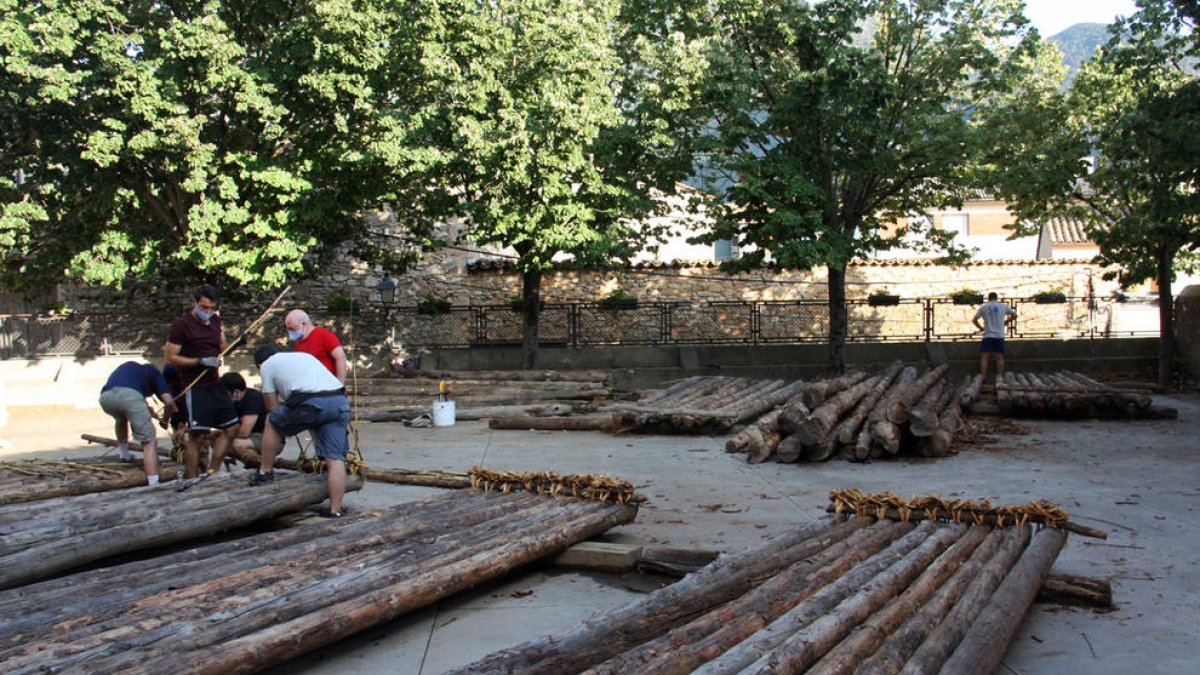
(203, 315)
(296, 335)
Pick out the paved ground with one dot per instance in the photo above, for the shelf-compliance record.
(1138, 480)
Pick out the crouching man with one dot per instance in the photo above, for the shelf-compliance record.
(302, 395)
(123, 397)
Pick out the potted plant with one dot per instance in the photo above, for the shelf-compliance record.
(516, 304)
(342, 303)
(619, 299)
(432, 305)
(1052, 297)
(883, 298)
(967, 297)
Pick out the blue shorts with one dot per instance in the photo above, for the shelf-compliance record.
(327, 417)
(992, 346)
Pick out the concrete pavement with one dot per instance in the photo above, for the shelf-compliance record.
(1138, 480)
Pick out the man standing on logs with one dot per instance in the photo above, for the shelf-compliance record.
(194, 346)
(123, 397)
(302, 395)
(995, 317)
(318, 341)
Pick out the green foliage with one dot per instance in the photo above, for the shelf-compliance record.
(342, 303)
(223, 141)
(1079, 42)
(834, 119)
(967, 296)
(1052, 297)
(433, 305)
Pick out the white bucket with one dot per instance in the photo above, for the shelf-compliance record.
(443, 413)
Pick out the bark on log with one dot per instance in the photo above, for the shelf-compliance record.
(971, 392)
(608, 633)
(49, 480)
(847, 430)
(956, 562)
(817, 393)
(923, 416)
(143, 518)
(790, 449)
(688, 646)
(552, 423)
(1068, 589)
(762, 641)
(898, 406)
(984, 645)
(982, 573)
(814, 429)
(591, 375)
(862, 448)
(923, 569)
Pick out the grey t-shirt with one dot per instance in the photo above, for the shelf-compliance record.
(286, 373)
(994, 313)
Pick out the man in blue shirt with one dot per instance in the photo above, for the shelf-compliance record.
(123, 397)
(995, 316)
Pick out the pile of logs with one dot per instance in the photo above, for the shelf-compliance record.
(42, 538)
(841, 595)
(860, 416)
(33, 479)
(701, 405)
(250, 603)
(406, 394)
(1069, 395)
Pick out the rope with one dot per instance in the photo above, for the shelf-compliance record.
(589, 486)
(42, 467)
(880, 506)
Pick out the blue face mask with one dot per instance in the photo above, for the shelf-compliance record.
(295, 335)
(201, 314)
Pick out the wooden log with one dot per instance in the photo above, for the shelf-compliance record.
(814, 428)
(35, 480)
(847, 430)
(1068, 589)
(977, 578)
(741, 441)
(971, 392)
(790, 449)
(748, 651)
(155, 516)
(915, 575)
(897, 408)
(986, 519)
(862, 448)
(940, 442)
(528, 422)
(817, 393)
(686, 647)
(983, 646)
(611, 632)
(585, 375)
(675, 562)
(672, 390)
(967, 554)
(765, 402)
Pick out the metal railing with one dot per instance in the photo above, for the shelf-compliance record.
(596, 324)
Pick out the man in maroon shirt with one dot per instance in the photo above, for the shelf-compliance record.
(318, 341)
(194, 346)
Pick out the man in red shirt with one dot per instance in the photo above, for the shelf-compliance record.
(194, 346)
(318, 341)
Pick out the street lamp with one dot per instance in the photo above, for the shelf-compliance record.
(387, 291)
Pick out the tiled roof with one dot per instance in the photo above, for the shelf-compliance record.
(1068, 231)
(505, 265)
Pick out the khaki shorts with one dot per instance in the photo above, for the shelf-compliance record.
(128, 405)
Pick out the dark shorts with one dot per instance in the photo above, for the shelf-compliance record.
(209, 408)
(992, 346)
(327, 417)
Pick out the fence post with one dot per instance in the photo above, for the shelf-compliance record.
(755, 323)
(928, 319)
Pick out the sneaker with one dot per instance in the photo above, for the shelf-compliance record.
(260, 478)
(332, 514)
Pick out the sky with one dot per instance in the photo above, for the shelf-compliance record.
(1052, 16)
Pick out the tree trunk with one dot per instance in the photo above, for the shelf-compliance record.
(838, 319)
(1164, 259)
(531, 295)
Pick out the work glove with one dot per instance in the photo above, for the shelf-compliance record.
(209, 361)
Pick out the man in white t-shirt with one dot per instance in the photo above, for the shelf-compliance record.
(302, 395)
(995, 316)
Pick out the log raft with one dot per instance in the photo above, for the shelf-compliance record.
(258, 601)
(46, 537)
(838, 596)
